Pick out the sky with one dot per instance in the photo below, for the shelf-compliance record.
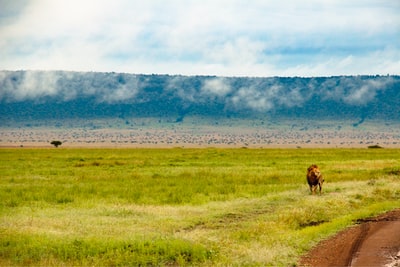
(202, 37)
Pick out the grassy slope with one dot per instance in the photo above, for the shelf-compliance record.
(183, 206)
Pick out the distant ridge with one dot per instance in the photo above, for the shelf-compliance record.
(43, 95)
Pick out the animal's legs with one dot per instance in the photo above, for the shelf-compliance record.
(313, 189)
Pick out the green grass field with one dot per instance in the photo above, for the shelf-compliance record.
(183, 206)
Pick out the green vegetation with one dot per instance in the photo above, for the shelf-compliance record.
(90, 96)
(183, 206)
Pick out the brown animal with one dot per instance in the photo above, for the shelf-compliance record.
(314, 178)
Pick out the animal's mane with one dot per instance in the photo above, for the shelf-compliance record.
(314, 166)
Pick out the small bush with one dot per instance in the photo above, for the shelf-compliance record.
(374, 147)
(394, 171)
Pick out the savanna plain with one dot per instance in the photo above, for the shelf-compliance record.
(200, 207)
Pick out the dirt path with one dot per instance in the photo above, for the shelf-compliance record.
(373, 242)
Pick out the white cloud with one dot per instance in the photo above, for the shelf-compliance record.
(216, 86)
(221, 37)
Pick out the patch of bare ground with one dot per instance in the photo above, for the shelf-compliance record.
(207, 137)
(371, 242)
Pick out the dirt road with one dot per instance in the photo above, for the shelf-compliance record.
(372, 242)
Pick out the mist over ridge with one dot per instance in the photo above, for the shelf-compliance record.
(61, 94)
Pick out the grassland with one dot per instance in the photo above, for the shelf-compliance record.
(183, 206)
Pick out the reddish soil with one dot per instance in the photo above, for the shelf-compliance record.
(372, 242)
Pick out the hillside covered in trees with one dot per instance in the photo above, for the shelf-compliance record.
(49, 95)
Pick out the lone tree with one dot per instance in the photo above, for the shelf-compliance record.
(56, 143)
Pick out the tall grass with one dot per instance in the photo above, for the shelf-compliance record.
(183, 206)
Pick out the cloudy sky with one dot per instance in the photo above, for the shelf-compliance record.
(204, 37)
